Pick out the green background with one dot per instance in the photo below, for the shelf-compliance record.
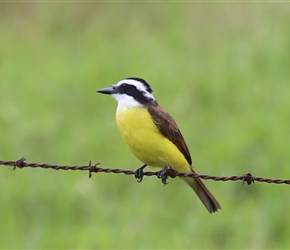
(221, 69)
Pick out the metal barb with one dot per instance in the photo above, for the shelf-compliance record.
(248, 178)
(20, 163)
(93, 168)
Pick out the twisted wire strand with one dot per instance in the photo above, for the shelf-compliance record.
(95, 168)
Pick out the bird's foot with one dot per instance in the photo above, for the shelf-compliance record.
(139, 173)
(162, 174)
(166, 172)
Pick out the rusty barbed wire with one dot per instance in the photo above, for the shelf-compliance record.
(94, 168)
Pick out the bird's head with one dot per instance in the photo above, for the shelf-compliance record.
(130, 92)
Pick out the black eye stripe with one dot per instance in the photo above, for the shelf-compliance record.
(131, 90)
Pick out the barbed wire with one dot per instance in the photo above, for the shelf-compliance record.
(94, 168)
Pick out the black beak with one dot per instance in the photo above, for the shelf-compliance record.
(108, 91)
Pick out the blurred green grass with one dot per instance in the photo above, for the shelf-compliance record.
(221, 69)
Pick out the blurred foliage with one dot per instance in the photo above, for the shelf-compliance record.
(221, 69)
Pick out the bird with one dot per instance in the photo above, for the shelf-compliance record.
(153, 136)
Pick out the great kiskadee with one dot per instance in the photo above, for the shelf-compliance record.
(152, 134)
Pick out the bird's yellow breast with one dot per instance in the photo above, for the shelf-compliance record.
(145, 140)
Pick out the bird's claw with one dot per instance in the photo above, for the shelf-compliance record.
(139, 173)
(162, 174)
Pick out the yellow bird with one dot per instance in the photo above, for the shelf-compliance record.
(152, 134)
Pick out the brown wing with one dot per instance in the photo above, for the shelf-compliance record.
(168, 127)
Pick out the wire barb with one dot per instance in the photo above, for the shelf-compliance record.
(246, 178)
(93, 168)
(20, 163)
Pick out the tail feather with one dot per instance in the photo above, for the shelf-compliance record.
(206, 197)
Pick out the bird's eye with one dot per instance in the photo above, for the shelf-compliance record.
(123, 86)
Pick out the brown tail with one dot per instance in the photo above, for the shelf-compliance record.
(203, 193)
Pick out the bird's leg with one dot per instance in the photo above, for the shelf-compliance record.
(162, 174)
(139, 173)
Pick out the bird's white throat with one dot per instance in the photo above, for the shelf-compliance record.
(126, 101)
